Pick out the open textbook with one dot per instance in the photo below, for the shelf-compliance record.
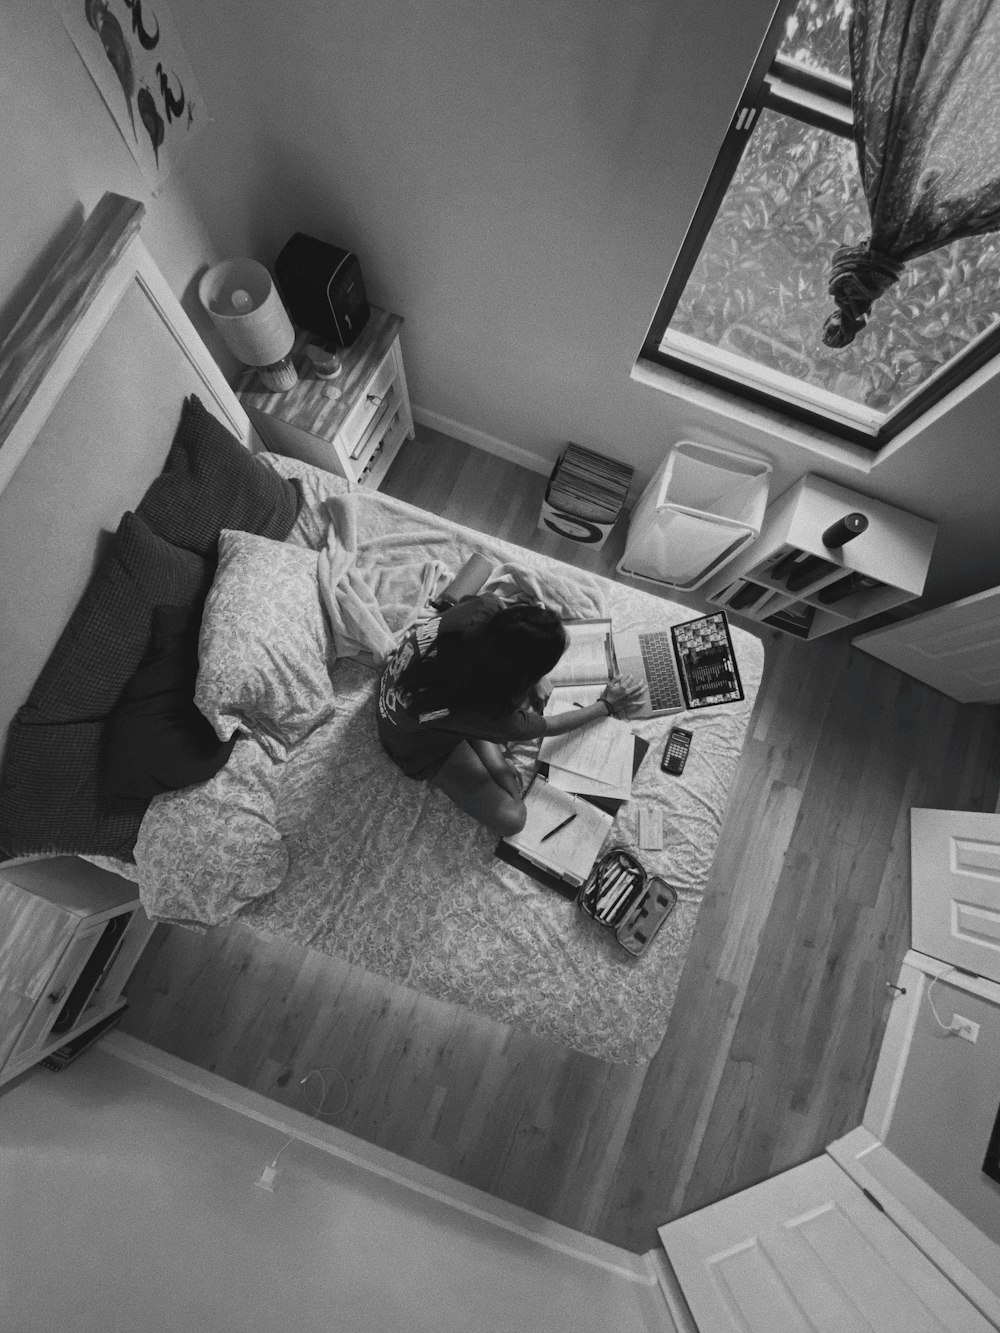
(589, 656)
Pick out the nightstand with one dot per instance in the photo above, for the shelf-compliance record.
(355, 435)
(70, 936)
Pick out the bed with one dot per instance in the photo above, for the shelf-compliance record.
(265, 587)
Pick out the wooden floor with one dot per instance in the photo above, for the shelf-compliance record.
(773, 1037)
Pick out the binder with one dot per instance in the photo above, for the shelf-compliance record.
(571, 855)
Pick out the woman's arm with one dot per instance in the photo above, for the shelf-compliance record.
(620, 698)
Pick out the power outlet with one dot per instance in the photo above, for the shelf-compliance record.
(965, 1028)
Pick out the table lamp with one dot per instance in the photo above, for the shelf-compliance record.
(245, 307)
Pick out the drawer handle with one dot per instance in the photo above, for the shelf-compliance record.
(374, 398)
(55, 996)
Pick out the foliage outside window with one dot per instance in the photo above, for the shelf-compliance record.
(745, 305)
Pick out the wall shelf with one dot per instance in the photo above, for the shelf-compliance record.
(880, 569)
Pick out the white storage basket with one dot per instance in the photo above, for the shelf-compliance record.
(702, 506)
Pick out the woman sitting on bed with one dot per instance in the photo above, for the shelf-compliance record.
(463, 685)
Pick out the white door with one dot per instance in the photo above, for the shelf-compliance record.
(809, 1252)
(955, 648)
(955, 893)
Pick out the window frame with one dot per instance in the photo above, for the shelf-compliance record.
(823, 101)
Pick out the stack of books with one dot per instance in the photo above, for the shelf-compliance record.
(585, 495)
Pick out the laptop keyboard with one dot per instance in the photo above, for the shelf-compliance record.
(661, 670)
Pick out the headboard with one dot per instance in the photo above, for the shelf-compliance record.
(92, 378)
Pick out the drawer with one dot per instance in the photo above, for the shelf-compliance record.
(371, 404)
(64, 975)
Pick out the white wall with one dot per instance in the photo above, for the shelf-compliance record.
(948, 1100)
(516, 179)
(60, 151)
(127, 1201)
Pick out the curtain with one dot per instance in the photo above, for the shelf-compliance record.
(926, 96)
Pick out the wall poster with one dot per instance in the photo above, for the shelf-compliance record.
(133, 52)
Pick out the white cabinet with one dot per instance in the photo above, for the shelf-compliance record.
(790, 580)
(353, 424)
(70, 935)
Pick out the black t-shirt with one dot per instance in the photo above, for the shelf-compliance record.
(420, 745)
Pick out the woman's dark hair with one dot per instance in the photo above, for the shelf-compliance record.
(489, 668)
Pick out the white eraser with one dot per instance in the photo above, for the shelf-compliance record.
(650, 827)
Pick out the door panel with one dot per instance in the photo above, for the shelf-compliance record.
(955, 648)
(807, 1251)
(955, 893)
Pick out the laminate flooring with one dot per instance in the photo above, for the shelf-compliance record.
(775, 1031)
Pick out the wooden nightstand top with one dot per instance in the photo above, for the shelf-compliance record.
(307, 404)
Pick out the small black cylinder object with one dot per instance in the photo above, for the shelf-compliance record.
(846, 528)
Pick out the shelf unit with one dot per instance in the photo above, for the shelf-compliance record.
(880, 569)
(70, 936)
(352, 425)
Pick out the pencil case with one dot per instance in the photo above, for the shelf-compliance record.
(619, 894)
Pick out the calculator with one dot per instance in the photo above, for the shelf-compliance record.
(676, 752)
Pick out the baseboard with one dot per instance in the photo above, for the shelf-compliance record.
(479, 439)
(624, 1264)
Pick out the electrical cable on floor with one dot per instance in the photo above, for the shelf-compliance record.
(266, 1178)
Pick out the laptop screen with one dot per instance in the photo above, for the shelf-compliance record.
(706, 661)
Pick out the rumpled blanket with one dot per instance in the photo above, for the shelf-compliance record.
(374, 590)
(370, 594)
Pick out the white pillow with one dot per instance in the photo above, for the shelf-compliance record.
(264, 652)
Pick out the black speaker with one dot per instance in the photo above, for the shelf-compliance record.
(322, 288)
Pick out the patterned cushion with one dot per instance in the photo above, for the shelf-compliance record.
(156, 739)
(265, 652)
(49, 785)
(210, 482)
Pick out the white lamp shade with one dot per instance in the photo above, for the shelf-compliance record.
(247, 310)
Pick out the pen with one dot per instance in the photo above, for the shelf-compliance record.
(552, 832)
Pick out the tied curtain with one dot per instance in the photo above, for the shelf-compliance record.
(926, 100)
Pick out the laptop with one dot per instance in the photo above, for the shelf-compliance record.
(689, 666)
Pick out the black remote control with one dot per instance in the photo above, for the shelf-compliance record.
(676, 752)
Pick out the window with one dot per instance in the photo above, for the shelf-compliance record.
(745, 304)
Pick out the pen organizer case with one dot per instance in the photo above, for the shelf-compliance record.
(620, 895)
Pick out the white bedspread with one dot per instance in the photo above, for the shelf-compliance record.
(363, 863)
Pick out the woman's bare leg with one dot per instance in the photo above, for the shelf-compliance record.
(466, 780)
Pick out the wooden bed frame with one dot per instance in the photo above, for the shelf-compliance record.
(92, 378)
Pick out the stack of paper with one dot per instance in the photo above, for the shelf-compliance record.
(596, 760)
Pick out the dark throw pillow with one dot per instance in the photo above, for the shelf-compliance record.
(210, 482)
(108, 632)
(49, 798)
(156, 739)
